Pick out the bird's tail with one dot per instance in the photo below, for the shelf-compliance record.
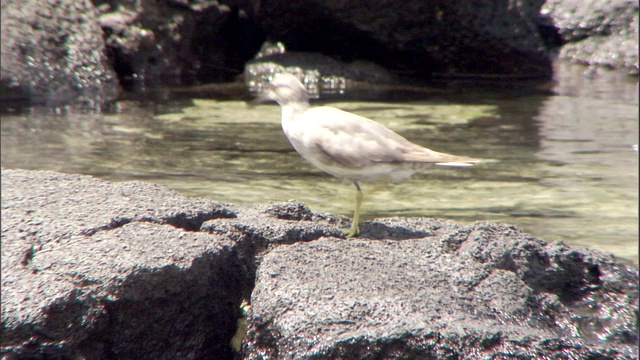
(429, 156)
(469, 162)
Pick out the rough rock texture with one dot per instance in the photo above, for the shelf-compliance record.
(53, 51)
(177, 42)
(100, 270)
(441, 291)
(597, 32)
(422, 37)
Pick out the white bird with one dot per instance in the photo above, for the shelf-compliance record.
(346, 145)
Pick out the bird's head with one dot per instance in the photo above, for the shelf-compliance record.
(283, 88)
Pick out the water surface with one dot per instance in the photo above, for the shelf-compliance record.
(565, 166)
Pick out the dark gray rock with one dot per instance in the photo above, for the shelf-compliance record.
(597, 32)
(432, 37)
(272, 224)
(96, 270)
(53, 52)
(93, 269)
(445, 291)
(154, 43)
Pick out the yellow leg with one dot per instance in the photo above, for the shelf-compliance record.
(355, 229)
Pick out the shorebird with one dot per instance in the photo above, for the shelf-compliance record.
(346, 145)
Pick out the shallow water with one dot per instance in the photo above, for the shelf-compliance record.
(565, 164)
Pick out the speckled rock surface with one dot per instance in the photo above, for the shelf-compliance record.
(94, 269)
(99, 270)
(444, 291)
(113, 270)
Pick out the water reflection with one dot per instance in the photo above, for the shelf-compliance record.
(565, 170)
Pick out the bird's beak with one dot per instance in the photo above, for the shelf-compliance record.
(262, 98)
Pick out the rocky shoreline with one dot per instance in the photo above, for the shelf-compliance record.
(97, 270)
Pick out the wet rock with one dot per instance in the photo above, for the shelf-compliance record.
(597, 32)
(422, 38)
(321, 74)
(328, 78)
(53, 52)
(154, 43)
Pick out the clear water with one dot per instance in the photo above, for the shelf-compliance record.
(565, 163)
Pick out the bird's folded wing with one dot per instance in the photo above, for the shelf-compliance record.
(355, 141)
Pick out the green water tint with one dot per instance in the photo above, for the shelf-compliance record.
(569, 174)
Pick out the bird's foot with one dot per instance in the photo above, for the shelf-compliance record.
(352, 232)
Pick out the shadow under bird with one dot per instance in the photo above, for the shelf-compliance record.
(346, 145)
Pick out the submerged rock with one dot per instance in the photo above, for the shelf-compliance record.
(321, 75)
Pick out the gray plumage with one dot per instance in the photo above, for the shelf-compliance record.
(347, 145)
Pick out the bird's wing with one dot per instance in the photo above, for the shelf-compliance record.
(355, 141)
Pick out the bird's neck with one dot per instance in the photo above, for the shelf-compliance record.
(291, 109)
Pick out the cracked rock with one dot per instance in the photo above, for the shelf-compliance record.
(99, 270)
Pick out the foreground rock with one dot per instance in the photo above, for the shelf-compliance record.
(442, 291)
(92, 269)
(97, 270)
